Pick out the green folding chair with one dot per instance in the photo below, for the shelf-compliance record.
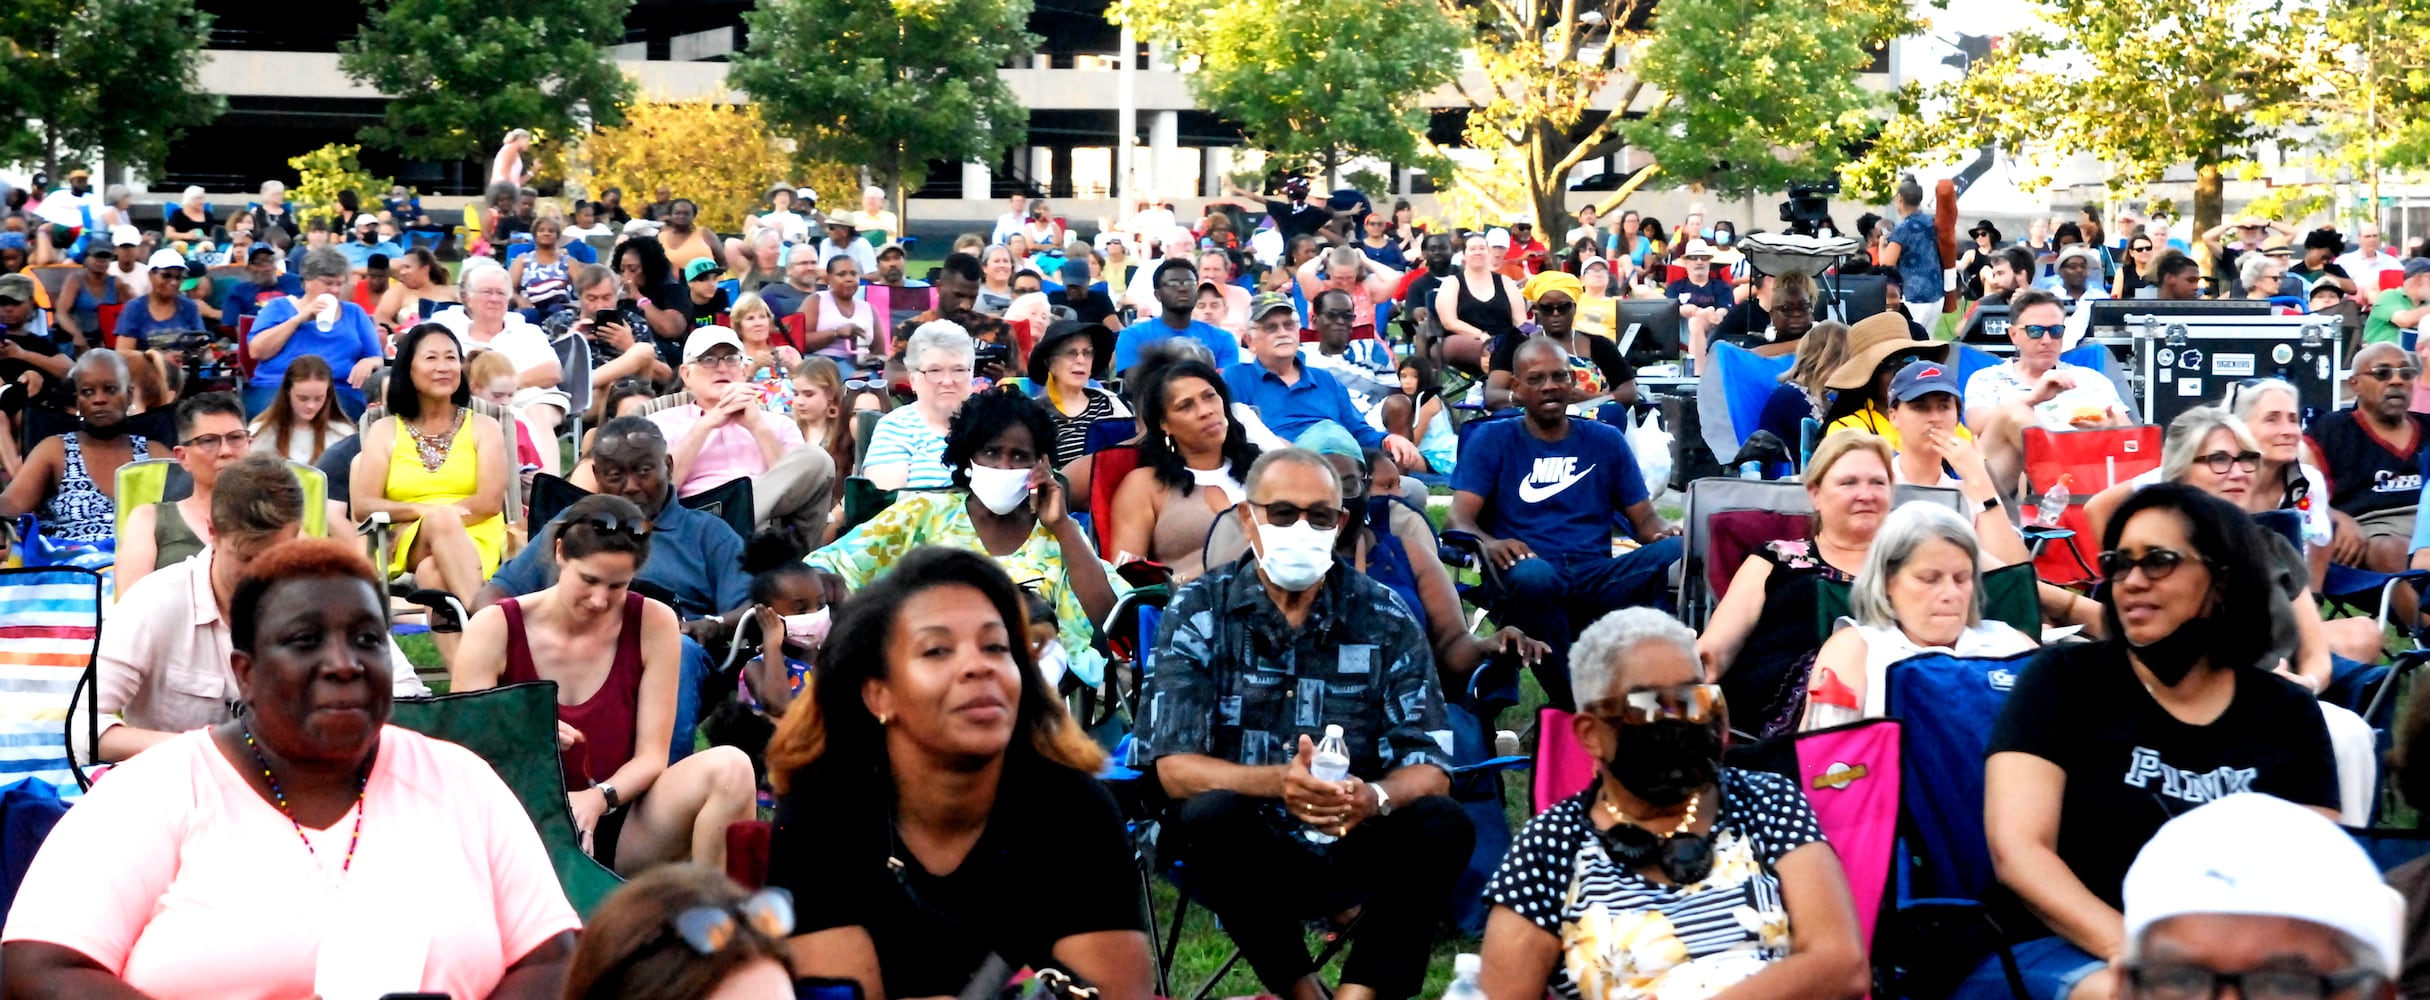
(145, 482)
(514, 728)
(2011, 594)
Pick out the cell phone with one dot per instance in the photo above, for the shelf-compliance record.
(604, 317)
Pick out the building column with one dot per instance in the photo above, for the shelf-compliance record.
(975, 182)
(1042, 168)
(1164, 134)
(1214, 162)
(1126, 113)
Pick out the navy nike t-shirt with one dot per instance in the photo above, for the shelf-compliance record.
(1560, 497)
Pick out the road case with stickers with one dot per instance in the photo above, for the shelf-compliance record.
(2184, 363)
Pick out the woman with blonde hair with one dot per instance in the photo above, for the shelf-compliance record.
(818, 410)
(302, 421)
(764, 347)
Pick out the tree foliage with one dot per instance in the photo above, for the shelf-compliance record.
(109, 78)
(891, 84)
(2142, 85)
(462, 72)
(325, 172)
(1735, 95)
(2373, 89)
(1312, 82)
(721, 156)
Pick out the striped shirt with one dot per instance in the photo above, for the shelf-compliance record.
(903, 438)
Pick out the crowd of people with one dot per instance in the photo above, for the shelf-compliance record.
(838, 547)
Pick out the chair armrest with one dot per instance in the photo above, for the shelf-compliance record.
(1491, 764)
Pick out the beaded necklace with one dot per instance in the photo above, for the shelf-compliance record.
(362, 784)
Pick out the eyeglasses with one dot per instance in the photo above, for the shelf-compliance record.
(1689, 702)
(611, 524)
(2038, 331)
(1556, 308)
(2219, 461)
(237, 440)
(1284, 515)
(2156, 564)
(2392, 373)
(947, 374)
(709, 930)
(2172, 981)
(721, 361)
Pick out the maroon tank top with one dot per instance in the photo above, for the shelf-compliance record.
(609, 719)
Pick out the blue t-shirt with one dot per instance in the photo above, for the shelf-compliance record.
(1137, 336)
(351, 339)
(245, 298)
(135, 321)
(358, 253)
(702, 565)
(1919, 259)
(1714, 293)
(1557, 496)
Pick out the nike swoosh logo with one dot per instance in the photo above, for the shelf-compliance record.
(1540, 492)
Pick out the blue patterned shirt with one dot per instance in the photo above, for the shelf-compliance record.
(1231, 679)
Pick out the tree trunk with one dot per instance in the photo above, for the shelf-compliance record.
(50, 154)
(1545, 186)
(2210, 199)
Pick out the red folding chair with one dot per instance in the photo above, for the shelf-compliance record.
(2092, 461)
(793, 331)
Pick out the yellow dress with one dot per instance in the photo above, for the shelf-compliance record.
(456, 479)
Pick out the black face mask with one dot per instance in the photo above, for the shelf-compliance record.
(1666, 761)
(2172, 656)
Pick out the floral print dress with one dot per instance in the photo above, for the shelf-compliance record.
(1626, 937)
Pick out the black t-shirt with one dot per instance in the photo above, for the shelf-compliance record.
(2132, 766)
(2366, 474)
(1303, 220)
(1605, 354)
(13, 368)
(1092, 305)
(1744, 326)
(1054, 862)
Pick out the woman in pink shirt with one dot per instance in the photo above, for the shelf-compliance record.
(302, 848)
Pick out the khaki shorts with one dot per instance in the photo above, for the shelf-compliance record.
(2396, 522)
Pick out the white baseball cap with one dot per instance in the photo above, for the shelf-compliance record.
(2257, 855)
(124, 235)
(707, 337)
(1498, 239)
(166, 258)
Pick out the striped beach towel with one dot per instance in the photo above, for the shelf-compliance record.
(50, 629)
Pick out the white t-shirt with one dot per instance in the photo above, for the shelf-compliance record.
(2006, 383)
(790, 227)
(520, 341)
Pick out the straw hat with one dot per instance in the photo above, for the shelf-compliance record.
(1872, 341)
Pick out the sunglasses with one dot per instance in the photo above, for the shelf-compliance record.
(2219, 461)
(2156, 564)
(2038, 331)
(2145, 248)
(1556, 308)
(1689, 702)
(2388, 373)
(1284, 515)
(709, 930)
(611, 524)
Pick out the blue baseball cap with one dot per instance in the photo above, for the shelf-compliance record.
(1923, 378)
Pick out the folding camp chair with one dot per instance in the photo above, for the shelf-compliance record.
(2092, 461)
(1940, 928)
(514, 728)
(1732, 386)
(574, 359)
(150, 481)
(50, 636)
(1714, 543)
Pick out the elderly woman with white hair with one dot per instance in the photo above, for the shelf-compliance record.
(1671, 873)
(486, 323)
(190, 220)
(907, 448)
(1920, 591)
(877, 225)
(2261, 274)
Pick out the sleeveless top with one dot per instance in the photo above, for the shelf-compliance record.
(2367, 474)
(546, 285)
(1767, 682)
(685, 250)
(1388, 561)
(831, 315)
(1490, 314)
(611, 716)
(173, 540)
(79, 511)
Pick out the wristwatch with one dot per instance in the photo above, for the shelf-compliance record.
(1993, 503)
(1383, 799)
(608, 792)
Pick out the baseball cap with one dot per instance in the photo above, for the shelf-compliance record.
(699, 266)
(124, 235)
(707, 337)
(164, 259)
(17, 287)
(1922, 378)
(366, 221)
(1698, 248)
(2230, 857)
(895, 249)
(1498, 239)
(261, 250)
(1266, 302)
(2416, 265)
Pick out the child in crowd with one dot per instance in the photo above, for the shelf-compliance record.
(792, 611)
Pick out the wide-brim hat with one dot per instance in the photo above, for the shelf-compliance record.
(1042, 352)
(1874, 340)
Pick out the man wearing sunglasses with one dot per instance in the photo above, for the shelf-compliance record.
(2036, 389)
(1540, 492)
(1253, 662)
(1699, 288)
(2371, 454)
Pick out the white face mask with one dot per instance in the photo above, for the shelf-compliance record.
(1051, 664)
(1295, 558)
(1000, 490)
(807, 630)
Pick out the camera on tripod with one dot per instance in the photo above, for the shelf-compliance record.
(1809, 206)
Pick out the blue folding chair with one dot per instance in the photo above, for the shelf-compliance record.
(1939, 929)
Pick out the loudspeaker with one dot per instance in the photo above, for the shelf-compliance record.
(1691, 458)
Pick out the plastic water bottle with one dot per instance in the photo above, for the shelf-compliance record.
(1332, 763)
(1750, 470)
(2053, 504)
(1464, 971)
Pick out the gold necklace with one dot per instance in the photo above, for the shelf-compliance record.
(1685, 821)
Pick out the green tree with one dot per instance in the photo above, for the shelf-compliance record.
(1736, 95)
(322, 174)
(69, 74)
(463, 72)
(2141, 85)
(892, 84)
(1312, 82)
(2374, 88)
